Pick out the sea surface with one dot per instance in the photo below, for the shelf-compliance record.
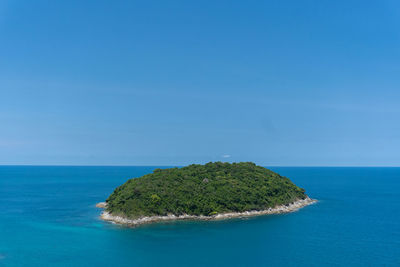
(48, 218)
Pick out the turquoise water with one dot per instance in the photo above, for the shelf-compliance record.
(47, 218)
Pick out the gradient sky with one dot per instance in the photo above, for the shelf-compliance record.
(292, 83)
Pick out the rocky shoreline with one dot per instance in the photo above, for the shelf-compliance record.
(106, 216)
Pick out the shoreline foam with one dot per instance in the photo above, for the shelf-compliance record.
(106, 216)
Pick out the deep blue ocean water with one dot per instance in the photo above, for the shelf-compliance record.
(48, 218)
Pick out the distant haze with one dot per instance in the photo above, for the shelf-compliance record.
(291, 83)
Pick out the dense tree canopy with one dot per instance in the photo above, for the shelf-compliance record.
(203, 190)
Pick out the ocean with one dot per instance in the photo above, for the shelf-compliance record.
(48, 218)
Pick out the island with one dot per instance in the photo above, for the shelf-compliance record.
(216, 190)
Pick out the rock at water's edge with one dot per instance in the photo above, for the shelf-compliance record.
(101, 205)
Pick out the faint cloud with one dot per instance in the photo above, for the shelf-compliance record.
(226, 156)
(10, 143)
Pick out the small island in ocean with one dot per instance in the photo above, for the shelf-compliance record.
(212, 191)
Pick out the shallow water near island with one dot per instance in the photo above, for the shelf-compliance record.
(48, 218)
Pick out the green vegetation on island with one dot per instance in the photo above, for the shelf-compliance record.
(207, 189)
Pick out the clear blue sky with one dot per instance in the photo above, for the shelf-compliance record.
(297, 83)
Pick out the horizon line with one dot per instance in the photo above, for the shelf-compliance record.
(172, 165)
